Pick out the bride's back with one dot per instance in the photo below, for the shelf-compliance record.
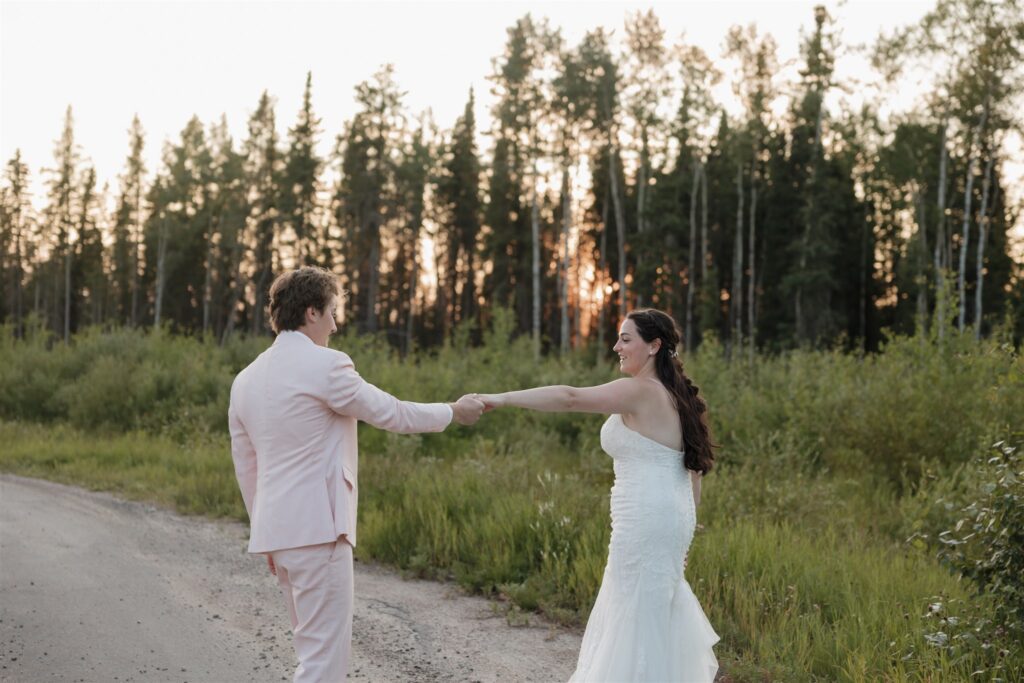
(656, 416)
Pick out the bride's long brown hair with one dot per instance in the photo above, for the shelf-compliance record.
(699, 449)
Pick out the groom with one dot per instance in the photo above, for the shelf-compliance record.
(293, 415)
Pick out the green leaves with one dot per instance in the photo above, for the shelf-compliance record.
(987, 543)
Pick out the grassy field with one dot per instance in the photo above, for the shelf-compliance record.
(829, 464)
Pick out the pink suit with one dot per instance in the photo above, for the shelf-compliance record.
(293, 420)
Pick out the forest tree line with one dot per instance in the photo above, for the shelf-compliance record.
(611, 179)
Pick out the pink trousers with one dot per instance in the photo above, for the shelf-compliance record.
(317, 581)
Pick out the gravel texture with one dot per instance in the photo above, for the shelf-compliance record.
(93, 588)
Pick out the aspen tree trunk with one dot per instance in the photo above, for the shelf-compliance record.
(208, 279)
(982, 238)
(414, 275)
(641, 198)
(18, 275)
(862, 307)
(602, 263)
(751, 253)
(237, 288)
(136, 241)
(67, 288)
(940, 238)
(161, 261)
(703, 222)
(535, 260)
(922, 279)
(691, 270)
(620, 227)
(373, 291)
(736, 302)
(563, 294)
(965, 242)
(813, 184)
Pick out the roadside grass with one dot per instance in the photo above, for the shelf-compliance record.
(829, 464)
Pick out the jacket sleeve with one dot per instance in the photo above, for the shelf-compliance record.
(349, 394)
(244, 455)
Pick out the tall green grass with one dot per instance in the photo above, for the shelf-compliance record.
(829, 463)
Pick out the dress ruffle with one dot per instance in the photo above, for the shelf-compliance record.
(627, 639)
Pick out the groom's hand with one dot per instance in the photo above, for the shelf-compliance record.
(491, 401)
(467, 410)
(271, 565)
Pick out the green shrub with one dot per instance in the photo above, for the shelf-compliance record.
(829, 464)
(987, 543)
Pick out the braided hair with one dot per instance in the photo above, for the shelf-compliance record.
(698, 448)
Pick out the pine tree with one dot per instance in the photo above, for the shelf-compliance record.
(262, 173)
(90, 257)
(812, 279)
(758, 66)
(696, 106)
(127, 230)
(177, 228)
(60, 225)
(645, 91)
(458, 195)
(299, 185)
(521, 142)
(367, 149)
(226, 239)
(15, 218)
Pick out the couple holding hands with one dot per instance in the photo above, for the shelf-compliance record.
(293, 419)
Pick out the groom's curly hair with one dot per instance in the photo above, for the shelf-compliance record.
(295, 291)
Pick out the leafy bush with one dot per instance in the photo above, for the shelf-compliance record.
(829, 462)
(987, 544)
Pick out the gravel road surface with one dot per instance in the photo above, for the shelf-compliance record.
(93, 588)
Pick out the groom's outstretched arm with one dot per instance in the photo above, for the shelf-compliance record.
(347, 393)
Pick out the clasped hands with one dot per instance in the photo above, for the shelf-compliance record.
(468, 409)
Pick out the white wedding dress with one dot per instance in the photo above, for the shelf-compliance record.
(646, 624)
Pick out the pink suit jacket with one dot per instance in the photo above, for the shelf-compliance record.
(292, 417)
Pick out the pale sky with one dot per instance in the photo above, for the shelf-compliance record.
(167, 60)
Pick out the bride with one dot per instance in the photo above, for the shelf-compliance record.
(646, 624)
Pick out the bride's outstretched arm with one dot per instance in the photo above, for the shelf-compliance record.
(619, 396)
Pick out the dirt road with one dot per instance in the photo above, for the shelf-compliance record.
(93, 588)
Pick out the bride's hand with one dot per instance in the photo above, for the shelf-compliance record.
(491, 401)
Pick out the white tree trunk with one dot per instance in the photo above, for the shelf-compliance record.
(161, 274)
(982, 238)
(535, 234)
(922, 278)
(940, 238)
(563, 294)
(620, 227)
(413, 279)
(136, 245)
(67, 288)
(691, 269)
(750, 255)
(208, 279)
(965, 242)
(603, 306)
(736, 302)
(373, 295)
(800, 325)
(641, 200)
(703, 223)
